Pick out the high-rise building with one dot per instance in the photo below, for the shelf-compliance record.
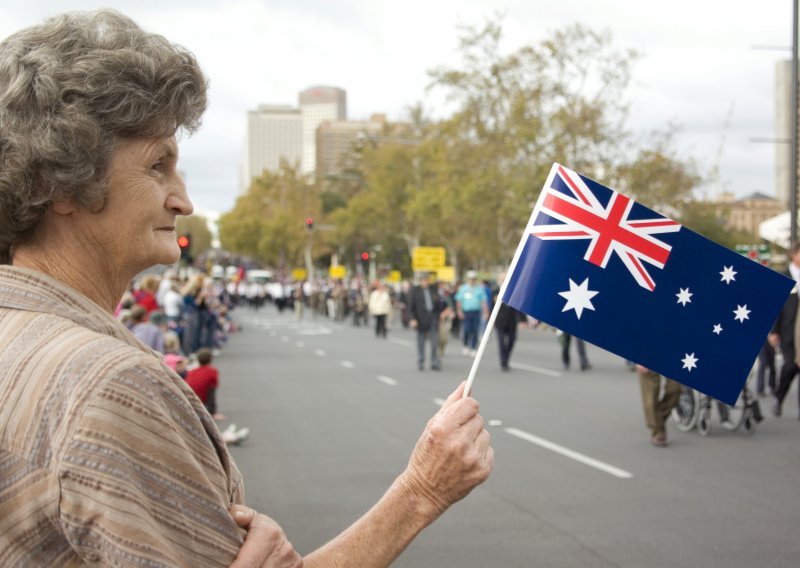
(337, 138)
(783, 130)
(316, 105)
(274, 133)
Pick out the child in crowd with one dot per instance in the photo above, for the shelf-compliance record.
(204, 381)
(177, 364)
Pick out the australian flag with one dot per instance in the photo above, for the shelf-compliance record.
(604, 268)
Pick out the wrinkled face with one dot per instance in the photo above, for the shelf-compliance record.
(136, 228)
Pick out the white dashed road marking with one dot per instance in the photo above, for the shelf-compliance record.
(319, 353)
(387, 380)
(571, 454)
(348, 364)
(534, 369)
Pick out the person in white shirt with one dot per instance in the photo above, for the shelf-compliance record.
(380, 304)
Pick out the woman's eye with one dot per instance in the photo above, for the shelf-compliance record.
(158, 166)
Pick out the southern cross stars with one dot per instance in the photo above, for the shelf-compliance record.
(690, 361)
(741, 313)
(579, 297)
(728, 274)
(717, 328)
(684, 296)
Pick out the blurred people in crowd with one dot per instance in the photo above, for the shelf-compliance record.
(565, 339)
(505, 325)
(380, 305)
(659, 397)
(766, 375)
(424, 314)
(446, 316)
(145, 295)
(472, 305)
(784, 335)
(204, 380)
(147, 330)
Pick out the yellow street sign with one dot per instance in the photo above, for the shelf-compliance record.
(446, 274)
(299, 273)
(427, 258)
(394, 276)
(337, 272)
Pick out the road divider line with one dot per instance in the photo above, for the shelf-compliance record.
(348, 364)
(572, 454)
(534, 369)
(387, 380)
(319, 353)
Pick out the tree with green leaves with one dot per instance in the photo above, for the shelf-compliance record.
(268, 222)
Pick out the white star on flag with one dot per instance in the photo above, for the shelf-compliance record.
(578, 297)
(718, 329)
(690, 361)
(684, 296)
(728, 274)
(741, 313)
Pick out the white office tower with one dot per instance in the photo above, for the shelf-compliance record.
(318, 104)
(274, 133)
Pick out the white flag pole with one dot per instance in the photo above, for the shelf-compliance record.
(493, 316)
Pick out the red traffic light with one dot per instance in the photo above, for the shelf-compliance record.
(183, 241)
(365, 255)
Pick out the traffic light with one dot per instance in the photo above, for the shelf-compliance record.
(185, 242)
(365, 256)
(310, 223)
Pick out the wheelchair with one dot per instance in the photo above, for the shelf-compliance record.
(694, 411)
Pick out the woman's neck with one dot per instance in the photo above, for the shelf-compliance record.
(80, 270)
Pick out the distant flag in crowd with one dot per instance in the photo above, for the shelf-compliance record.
(598, 265)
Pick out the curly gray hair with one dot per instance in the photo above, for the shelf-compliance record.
(69, 89)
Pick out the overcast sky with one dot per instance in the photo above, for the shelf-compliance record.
(697, 63)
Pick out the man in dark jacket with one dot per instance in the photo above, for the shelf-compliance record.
(508, 319)
(783, 336)
(424, 307)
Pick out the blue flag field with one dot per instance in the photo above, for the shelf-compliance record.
(600, 266)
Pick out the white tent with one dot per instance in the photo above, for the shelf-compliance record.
(776, 230)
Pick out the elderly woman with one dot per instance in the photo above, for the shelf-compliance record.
(106, 456)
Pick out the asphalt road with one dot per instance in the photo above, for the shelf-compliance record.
(334, 413)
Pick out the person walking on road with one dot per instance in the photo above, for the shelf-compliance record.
(505, 325)
(472, 304)
(380, 304)
(784, 335)
(657, 407)
(424, 313)
(566, 339)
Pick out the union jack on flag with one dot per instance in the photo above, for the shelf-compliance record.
(608, 227)
(703, 325)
